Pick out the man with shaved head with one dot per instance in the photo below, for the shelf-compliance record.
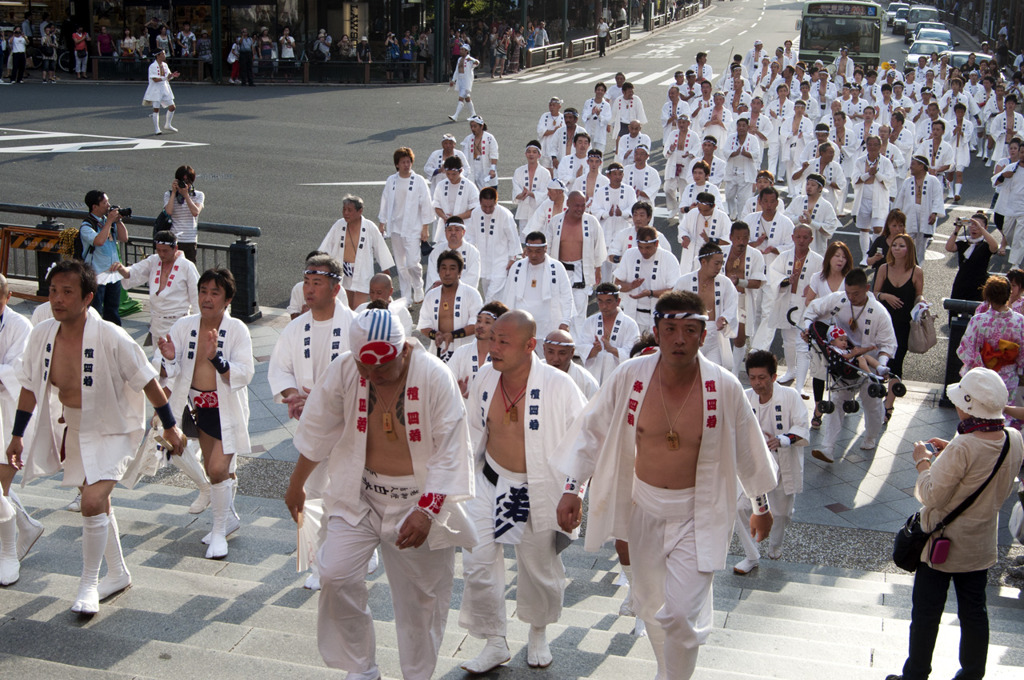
(577, 241)
(519, 409)
(559, 348)
(382, 288)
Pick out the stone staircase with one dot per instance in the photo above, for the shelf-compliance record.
(188, 617)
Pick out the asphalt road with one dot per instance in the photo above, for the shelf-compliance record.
(282, 157)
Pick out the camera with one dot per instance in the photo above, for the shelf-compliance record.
(125, 212)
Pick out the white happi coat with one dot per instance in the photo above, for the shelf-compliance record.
(779, 232)
(784, 308)
(454, 200)
(333, 428)
(625, 111)
(740, 168)
(114, 371)
(962, 145)
(596, 117)
(14, 332)
(874, 326)
(999, 128)
(465, 362)
(622, 336)
(644, 180)
(931, 202)
(480, 165)
(465, 308)
(626, 240)
(538, 185)
(605, 199)
(372, 246)
(433, 169)
(555, 288)
(885, 178)
(178, 298)
(660, 271)
(717, 165)
(823, 218)
(602, 447)
(291, 362)
(726, 305)
(158, 93)
(580, 184)
(693, 224)
(753, 270)
(471, 261)
(583, 379)
(784, 413)
(790, 144)
(680, 155)
(406, 205)
(496, 237)
(550, 145)
(571, 167)
(550, 405)
(235, 345)
(688, 196)
(594, 251)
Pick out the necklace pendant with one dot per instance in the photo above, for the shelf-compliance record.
(444, 306)
(507, 419)
(389, 426)
(672, 438)
(513, 414)
(853, 325)
(533, 283)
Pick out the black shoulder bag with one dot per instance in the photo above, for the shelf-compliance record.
(911, 538)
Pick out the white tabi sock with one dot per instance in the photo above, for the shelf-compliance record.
(738, 355)
(94, 542)
(458, 110)
(156, 122)
(220, 499)
(10, 567)
(865, 244)
(957, 187)
(167, 123)
(117, 578)
(626, 608)
(472, 109)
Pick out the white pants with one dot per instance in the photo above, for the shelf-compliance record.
(541, 574)
(672, 187)
(670, 594)
(410, 271)
(782, 505)
(737, 191)
(872, 408)
(712, 347)
(1014, 224)
(491, 287)
(421, 586)
(921, 245)
(773, 158)
(791, 341)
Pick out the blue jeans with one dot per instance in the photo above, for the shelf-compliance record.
(930, 587)
(107, 300)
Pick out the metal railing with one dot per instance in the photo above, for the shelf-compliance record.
(26, 263)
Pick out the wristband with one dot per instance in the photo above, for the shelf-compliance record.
(431, 503)
(571, 485)
(784, 441)
(742, 283)
(219, 363)
(166, 417)
(21, 419)
(760, 505)
(459, 333)
(923, 460)
(431, 334)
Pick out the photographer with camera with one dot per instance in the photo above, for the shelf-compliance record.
(183, 203)
(99, 249)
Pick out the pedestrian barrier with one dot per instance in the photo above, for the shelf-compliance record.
(26, 252)
(960, 313)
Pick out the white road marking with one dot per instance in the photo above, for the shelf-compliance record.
(569, 78)
(103, 143)
(655, 76)
(598, 78)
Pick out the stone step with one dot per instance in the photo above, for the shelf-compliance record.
(25, 668)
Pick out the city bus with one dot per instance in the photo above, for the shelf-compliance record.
(825, 27)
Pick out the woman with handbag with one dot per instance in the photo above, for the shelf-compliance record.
(982, 456)
(899, 285)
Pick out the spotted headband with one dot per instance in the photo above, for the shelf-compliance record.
(680, 316)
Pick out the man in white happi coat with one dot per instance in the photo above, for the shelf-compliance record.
(866, 322)
(158, 92)
(539, 284)
(433, 169)
(706, 223)
(207, 358)
(450, 308)
(873, 182)
(811, 209)
(575, 239)
(920, 199)
(645, 273)
(394, 412)
(173, 283)
(593, 179)
(782, 416)
(744, 266)
(794, 133)
(938, 151)
(456, 196)
(89, 376)
(559, 348)
(832, 172)
(529, 182)
(455, 239)
(785, 297)
(462, 80)
(574, 165)
(719, 295)
(1004, 126)
(642, 216)
(308, 344)
(481, 148)
(627, 109)
(597, 117)
(406, 215)
(18, 530)
(610, 334)
(491, 229)
(681, 150)
(664, 477)
(356, 242)
(519, 410)
(628, 143)
(467, 360)
(549, 129)
(743, 158)
(382, 289)
(670, 113)
(960, 135)
(1009, 181)
(642, 177)
(771, 230)
(699, 171)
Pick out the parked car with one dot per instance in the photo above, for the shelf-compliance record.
(916, 15)
(957, 58)
(890, 11)
(899, 22)
(925, 48)
(936, 35)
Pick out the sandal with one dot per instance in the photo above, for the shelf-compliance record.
(816, 420)
(888, 413)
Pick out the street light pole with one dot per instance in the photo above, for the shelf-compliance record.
(217, 48)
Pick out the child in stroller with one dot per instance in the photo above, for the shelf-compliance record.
(839, 345)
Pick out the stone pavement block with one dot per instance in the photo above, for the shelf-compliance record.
(25, 668)
(876, 515)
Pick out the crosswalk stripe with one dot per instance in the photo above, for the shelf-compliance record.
(547, 76)
(654, 76)
(599, 77)
(569, 78)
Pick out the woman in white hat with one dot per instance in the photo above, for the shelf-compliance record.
(980, 449)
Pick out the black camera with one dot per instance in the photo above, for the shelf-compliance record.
(125, 212)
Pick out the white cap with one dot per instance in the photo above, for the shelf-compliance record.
(981, 393)
(376, 337)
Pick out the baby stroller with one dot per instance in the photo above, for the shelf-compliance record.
(843, 374)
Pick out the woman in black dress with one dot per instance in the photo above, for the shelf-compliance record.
(973, 251)
(895, 224)
(899, 285)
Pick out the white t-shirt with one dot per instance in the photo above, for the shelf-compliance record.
(182, 221)
(321, 339)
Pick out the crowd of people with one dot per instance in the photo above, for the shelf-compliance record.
(515, 401)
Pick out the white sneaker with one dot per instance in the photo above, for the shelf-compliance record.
(76, 504)
(494, 654)
(868, 444)
(745, 566)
